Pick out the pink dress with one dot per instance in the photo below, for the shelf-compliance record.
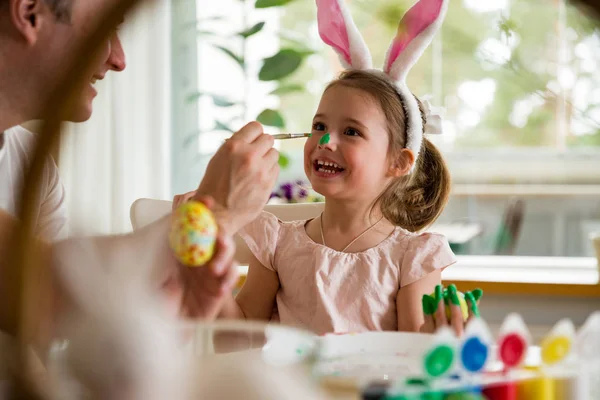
(324, 290)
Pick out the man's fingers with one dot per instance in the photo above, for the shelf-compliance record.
(176, 202)
(249, 132)
(231, 279)
(263, 144)
(208, 201)
(223, 257)
(272, 157)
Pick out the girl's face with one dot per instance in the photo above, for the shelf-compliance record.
(354, 163)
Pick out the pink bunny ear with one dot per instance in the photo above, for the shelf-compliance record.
(415, 32)
(337, 29)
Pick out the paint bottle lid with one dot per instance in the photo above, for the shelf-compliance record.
(557, 344)
(587, 340)
(513, 342)
(439, 360)
(476, 344)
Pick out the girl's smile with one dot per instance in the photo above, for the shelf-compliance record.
(347, 155)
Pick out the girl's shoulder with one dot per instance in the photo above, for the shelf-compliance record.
(421, 254)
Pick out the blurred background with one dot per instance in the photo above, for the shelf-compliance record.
(518, 82)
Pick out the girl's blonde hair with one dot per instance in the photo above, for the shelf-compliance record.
(416, 200)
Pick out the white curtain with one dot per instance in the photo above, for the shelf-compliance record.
(123, 152)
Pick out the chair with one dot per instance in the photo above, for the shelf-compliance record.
(146, 211)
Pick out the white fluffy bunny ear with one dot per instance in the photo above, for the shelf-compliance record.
(415, 33)
(337, 29)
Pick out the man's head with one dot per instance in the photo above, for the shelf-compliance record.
(36, 37)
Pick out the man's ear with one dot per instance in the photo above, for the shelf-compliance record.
(28, 16)
(402, 163)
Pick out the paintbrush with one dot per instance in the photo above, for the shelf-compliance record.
(285, 136)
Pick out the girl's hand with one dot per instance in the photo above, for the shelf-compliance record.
(436, 316)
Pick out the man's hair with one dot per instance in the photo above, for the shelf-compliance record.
(60, 8)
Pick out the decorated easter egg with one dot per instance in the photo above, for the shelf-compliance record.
(193, 234)
(462, 303)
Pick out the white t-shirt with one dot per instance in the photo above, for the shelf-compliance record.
(15, 153)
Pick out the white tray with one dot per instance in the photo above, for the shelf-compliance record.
(356, 359)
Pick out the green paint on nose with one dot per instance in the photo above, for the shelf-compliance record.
(325, 139)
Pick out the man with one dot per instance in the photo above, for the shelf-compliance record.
(36, 36)
(17, 143)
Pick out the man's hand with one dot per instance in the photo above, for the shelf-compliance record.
(240, 177)
(199, 292)
(180, 199)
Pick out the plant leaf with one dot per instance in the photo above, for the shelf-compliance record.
(251, 31)
(271, 118)
(187, 141)
(193, 97)
(294, 39)
(284, 161)
(270, 3)
(204, 33)
(218, 101)
(220, 126)
(285, 89)
(282, 64)
(221, 101)
(231, 54)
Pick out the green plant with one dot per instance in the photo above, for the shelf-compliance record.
(278, 68)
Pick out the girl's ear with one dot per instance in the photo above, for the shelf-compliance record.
(337, 29)
(415, 33)
(402, 164)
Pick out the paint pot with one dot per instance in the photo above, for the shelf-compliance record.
(475, 346)
(440, 358)
(587, 352)
(464, 396)
(557, 344)
(513, 341)
(540, 387)
(375, 391)
(433, 395)
(572, 386)
(410, 389)
(464, 393)
(501, 391)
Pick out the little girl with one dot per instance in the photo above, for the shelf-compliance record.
(361, 265)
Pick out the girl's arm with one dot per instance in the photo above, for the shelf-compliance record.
(257, 297)
(409, 304)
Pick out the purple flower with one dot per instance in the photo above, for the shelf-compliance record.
(287, 191)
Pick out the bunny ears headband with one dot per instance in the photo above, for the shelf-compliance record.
(415, 32)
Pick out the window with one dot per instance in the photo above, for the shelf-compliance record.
(517, 79)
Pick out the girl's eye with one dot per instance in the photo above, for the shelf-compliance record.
(317, 126)
(351, 132)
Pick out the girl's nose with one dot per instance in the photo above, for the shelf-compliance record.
(326, 142)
